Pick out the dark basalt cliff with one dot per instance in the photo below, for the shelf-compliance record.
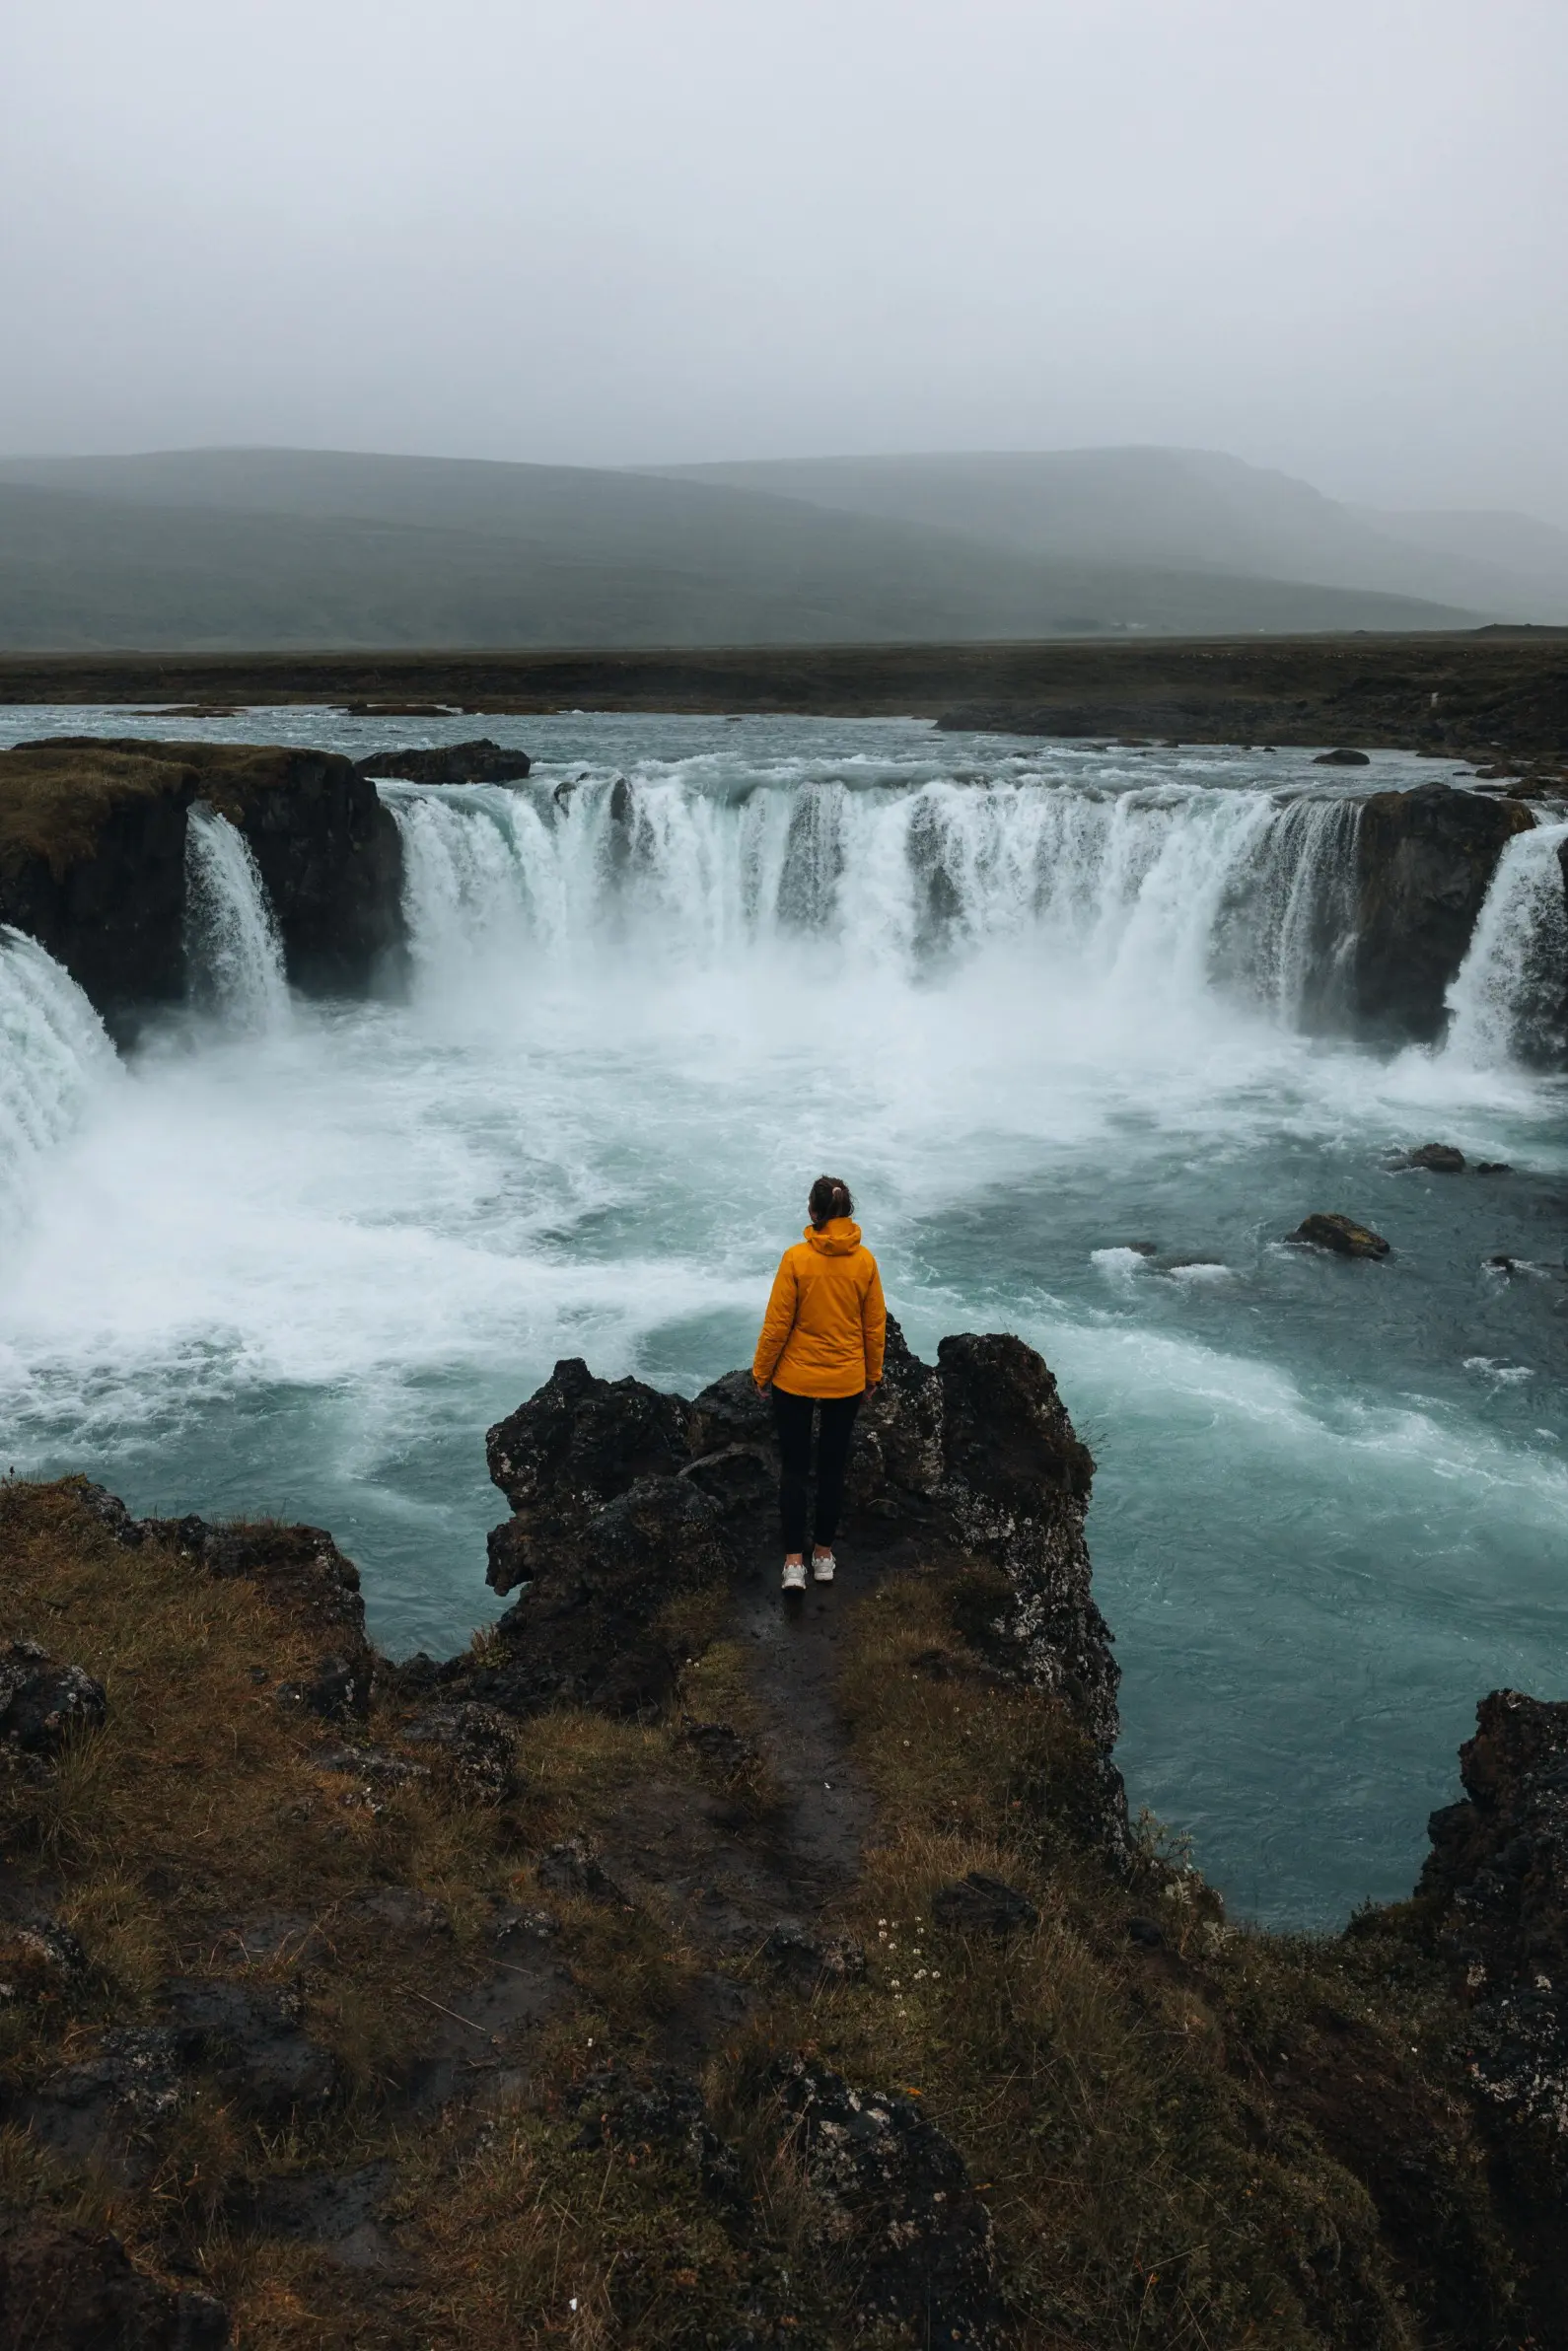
(622, 1497)
(1424, 861)
(92, 858)
(672, 1968)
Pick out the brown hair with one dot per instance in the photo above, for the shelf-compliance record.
(829, 1198)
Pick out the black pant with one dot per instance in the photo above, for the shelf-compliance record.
(792, 1418)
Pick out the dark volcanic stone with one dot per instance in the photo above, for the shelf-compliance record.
(43, 1703)
(582, 1629)
(806, 1960)
(982, 1904)
(580, 1440)
(665, 2109)
(1424, 861)
(64, 2288)
(339, 1691)
(102, 884)
(476, 1747)
(1439, 1158)
(1343, 758)
(570, 1868)
(251, 2035)
(1494, 1893)
(478, 762)
(1341, 1235)
(898, 2189)
(299, 1568)
(39, 1954)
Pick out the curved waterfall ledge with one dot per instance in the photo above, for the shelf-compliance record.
(1328, 911)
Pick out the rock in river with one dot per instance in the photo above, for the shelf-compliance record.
(1340, 1234)
(478, 762)
(1439, 1158)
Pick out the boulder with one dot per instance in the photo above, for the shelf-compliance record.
(473, 1748)
(1424, 861)
(42, 1704)
(804, 1959)
(40, 1956)
(1439, 1158)
(892, 2187)
(1342, 757)
(478, 762)
(570, 1868)
(1342, 1235)
(339, 1691)
(982, 1904)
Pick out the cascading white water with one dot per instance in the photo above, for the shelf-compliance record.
(1510, 998)
(54, 1051)
(233, 954)
(1143, 890)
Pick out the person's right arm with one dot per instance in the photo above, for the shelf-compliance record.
(874, 1326)
(777, 1322)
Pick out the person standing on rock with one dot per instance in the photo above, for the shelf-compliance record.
(821, 1351)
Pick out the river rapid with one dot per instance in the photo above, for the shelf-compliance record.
(1044, 1007)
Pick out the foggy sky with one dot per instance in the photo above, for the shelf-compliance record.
(1326, 234)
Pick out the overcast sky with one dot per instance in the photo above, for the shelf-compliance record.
(1327, 235)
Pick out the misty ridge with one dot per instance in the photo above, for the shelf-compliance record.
(280, 548)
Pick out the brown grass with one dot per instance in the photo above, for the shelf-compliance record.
(1184, 2147)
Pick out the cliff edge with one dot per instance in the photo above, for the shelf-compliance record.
(674, 1966)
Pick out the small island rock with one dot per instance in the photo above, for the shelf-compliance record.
(478, 762)
(1340, 1234)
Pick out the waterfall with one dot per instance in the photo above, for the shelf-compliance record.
(234, 956)
(1139, 890)
(54, 1053)
(1510, 998)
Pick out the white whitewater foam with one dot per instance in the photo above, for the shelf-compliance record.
(234, 954)
(1507, 1001)
(54, 1053)
(1136, 892)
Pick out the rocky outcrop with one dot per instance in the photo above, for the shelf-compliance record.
(92, 860)
(1495, 1891)
(42, 1704)
(478, 762)
(1340, 1234)
(1424, 861)
(890, 2186)
(623, 1498)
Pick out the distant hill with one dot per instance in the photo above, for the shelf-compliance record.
(1186, 509)
(292, 549)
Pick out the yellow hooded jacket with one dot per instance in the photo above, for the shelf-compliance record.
(825, 1325)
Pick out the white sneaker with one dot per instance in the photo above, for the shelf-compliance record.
(794, 1575)
(822, 1569)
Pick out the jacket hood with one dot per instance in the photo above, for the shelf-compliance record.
(838, 1238)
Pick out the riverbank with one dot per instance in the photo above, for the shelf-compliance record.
(675, 1970)
(1496, 692)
